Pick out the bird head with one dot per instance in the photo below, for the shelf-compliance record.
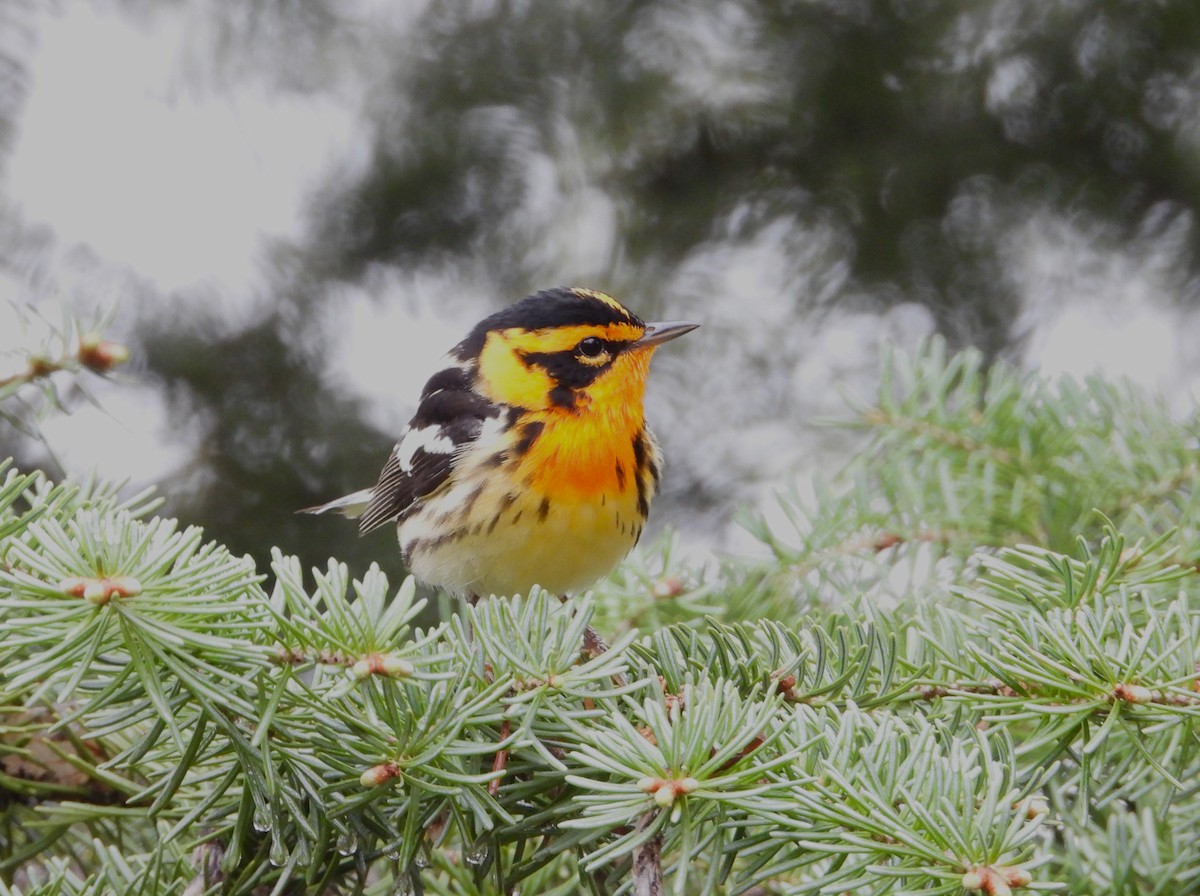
(565, 350)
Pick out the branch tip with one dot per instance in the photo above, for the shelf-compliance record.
(384, 664)
(100, 590)
(379, 774)
(996, 881)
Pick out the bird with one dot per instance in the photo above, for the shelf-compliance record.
(528, 460)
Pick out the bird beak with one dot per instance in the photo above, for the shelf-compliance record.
(656, 334)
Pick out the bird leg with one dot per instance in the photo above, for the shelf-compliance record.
(594, 645)
(472, 599)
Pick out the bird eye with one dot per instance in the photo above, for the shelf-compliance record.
(591, 347)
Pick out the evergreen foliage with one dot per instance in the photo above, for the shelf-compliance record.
(970, 667)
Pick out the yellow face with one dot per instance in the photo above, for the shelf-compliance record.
(566, 369)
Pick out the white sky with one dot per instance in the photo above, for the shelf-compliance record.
(180, 184)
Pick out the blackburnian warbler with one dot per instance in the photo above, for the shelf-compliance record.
(528, 461)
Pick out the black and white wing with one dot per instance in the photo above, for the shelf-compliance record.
(449, 418)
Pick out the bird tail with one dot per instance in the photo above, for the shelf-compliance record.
(351, 505)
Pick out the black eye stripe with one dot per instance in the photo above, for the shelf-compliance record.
(565, 368)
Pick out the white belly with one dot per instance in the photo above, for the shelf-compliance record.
(508, 547)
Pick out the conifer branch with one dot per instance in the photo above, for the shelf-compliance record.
(319, 735)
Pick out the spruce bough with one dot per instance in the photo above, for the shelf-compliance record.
(969, 666)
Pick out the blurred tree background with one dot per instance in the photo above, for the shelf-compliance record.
(294, 206)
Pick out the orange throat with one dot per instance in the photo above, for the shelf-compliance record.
(585, 454)
(590, 451)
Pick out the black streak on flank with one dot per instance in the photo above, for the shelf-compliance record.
(655, 472)
(432, 543)
(529, 434)
(471, 499)
(640, 455)
(643, 501)
(639, 451)
(543, 510)
(620, 476)
(506, 502)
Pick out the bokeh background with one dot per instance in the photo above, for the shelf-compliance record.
(294, 207)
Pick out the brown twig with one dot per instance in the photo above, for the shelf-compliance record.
(39, 368)
(57, 762)
(647, 861)
(501, 760)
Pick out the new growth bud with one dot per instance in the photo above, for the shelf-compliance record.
(100, 354)
(379, 774)
(382, 664)
(100, 591)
